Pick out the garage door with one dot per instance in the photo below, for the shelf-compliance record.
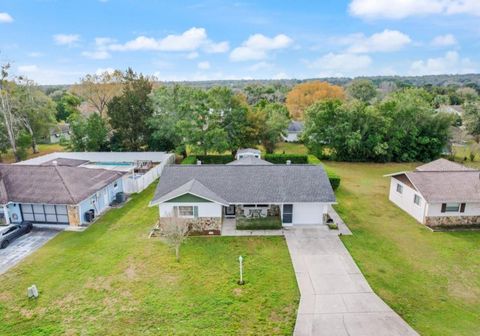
(45, 213)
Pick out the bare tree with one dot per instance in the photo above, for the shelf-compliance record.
(99, 89)
(6, 108)
(174, 231)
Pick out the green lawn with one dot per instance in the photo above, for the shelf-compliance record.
(42, 148)
(113, 280)
(431, 279)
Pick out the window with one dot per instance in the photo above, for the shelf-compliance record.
(287, 213)
(416, 199)
(399, 188)
(452, 207)
(187, 211)
(115, 185)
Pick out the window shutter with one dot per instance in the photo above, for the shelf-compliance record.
(195, 211)
(444, 207)
(462, 207)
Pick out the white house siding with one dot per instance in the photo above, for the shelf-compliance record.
(204, 209)
(435, 210)
(405, 200)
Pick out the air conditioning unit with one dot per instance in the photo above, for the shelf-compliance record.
(90, 215)
(120, 197)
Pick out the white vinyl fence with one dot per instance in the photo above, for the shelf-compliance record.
(138, 183)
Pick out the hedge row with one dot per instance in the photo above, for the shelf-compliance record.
(208, 159)
(283, 158)
(273, 158)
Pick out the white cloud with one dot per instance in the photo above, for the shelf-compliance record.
(331, 64)
(66, 39)
(256, 47)
(216, 48)
(5, 18)
(203, 65)
(399, 9)
(280, 75)
(450, 63)
(444, 40)
(97, 54)
(386, 41)
(192, 55)
(190, 40)
(27, 68)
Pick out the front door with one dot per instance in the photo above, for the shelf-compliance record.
(287, 217)
(230, 211)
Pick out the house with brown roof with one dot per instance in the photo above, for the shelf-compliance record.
(438, 194)
(56, 194)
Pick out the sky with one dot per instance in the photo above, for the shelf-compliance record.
(60, 41)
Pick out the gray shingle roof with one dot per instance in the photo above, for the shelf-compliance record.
(52, 184)
(252, 184)
(443, 181)
(193, 187)
(452, 186)
(295, 126)
(443, 165)
(249, 160)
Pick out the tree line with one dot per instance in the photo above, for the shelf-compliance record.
(127, 111)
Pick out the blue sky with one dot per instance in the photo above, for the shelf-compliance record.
(59, 41)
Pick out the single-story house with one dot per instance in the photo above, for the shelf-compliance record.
(439, 193)
(248, 152)
(55, 194)
(206, 194)
(141, 168)
(59, 131)
(294, 130)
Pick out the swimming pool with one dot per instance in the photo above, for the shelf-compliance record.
(126, 164)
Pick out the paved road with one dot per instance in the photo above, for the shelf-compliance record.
(23, 246)
(336, 299)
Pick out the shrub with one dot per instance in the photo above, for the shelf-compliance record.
(282, 158)
(192, 159)
(267, 223)
(215, 159)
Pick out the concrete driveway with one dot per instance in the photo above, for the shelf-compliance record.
(23, 246)
(336, 299)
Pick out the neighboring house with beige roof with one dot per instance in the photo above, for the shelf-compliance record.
(439, 193)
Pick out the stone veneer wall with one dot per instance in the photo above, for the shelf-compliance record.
(452, 221)
(205, 225)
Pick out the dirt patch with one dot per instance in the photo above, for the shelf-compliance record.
(99, 283)
(237, 291)
(130, 272)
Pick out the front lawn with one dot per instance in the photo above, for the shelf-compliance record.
(432, 279)
(112, 280)
(266, 223)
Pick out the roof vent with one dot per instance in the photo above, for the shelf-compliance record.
(54, 162)
(199, 162)
(289, 162)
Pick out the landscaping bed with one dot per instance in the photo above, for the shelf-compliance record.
(266, 223)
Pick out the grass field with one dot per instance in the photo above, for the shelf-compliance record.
(43, 149)
(431, 279)
(113, 280)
